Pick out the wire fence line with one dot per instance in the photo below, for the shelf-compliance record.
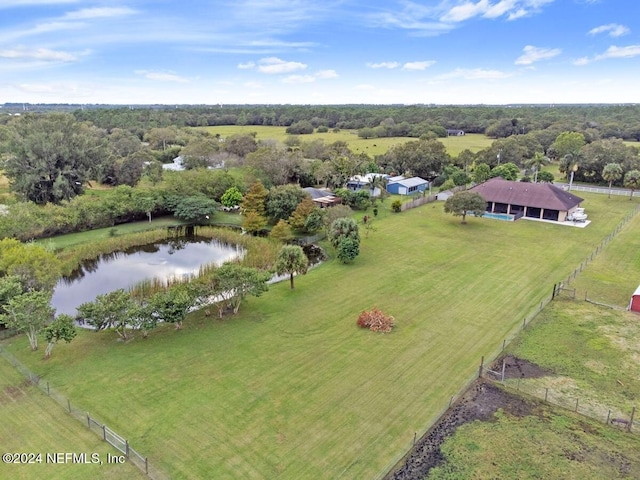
(581, 405)
(106, 433)
(586, 408)
(610, 415)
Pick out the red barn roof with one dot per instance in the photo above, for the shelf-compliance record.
(538, 195)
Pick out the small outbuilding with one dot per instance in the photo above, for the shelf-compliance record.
(634, 304)
(322, 198)
(407, 186)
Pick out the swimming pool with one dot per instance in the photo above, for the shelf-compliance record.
(499, 216)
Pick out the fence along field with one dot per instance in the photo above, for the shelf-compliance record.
(107, 435)
(31, 423)
(598, 337)
(292, 388)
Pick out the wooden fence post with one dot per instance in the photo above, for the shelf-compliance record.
(88, 422)
(69, 405)
(633, 414)
(576, 405)
(546, 394)
(481, 367)
(504, 366)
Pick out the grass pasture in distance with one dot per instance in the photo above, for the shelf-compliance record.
(31, 422)
(370, 146)
(291, 388)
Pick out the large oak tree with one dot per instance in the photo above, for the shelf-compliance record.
(49, 157)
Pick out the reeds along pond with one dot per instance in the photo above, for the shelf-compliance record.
(257, 252)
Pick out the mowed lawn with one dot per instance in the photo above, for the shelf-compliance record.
(371, 146)
(32, 423)
(291, 388)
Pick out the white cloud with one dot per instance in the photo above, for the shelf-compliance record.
(512, 9)
(275, 65)
(246, 66)
(389, 65)
(613, 29)
(162, 76)
(499, 9)
(41, 54)
(534, 54)
(98, 12)
(326, 74)
(620, 52)
(53, 91)
(474, 74)
(253, 85)
(418, 66)
(298, 79)
(613, 51)
(467, 10)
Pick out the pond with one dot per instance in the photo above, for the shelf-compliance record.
(174, 258)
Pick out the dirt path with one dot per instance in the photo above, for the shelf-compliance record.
(479, 402)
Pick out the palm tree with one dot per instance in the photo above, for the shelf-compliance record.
(612, 172)
(292, 260)
(538, 161)
(379, 181)
(632, 181)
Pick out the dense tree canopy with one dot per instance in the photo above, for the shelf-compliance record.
(423, 158)
(50, 157)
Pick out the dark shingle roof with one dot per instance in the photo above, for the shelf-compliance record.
(538, 195)
(317, 193)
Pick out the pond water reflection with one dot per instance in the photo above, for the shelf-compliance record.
(176, 257)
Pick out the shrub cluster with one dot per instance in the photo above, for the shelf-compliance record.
(376, 320)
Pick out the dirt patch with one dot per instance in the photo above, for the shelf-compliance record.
(479, 402)
(517, 368)
(13, 393)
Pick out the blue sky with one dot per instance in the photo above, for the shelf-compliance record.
(320, 51)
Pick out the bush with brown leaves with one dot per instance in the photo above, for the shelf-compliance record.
(376, 320)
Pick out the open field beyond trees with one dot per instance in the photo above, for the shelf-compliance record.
(291, 388)
(371, 146)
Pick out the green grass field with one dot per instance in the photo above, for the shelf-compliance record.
(600, 353)
(32, 423)
(548, 445)
(371, 146)
(291, 388)
(593, 356)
